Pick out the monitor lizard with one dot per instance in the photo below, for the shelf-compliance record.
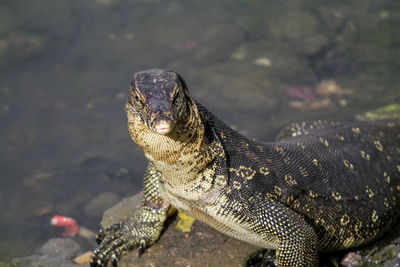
(322, 186)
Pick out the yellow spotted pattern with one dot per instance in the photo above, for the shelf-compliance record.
(323, 141)
(303, 171)
(345, 220)
(264, 170)
(277, 190)
(374, 216)
(313, 194)
(378, 145)
(289, 179)
(386, 177)
(364, 155)
(369, 191)
(336, 196)
(348, 164)
(237, 185)
(356, 130)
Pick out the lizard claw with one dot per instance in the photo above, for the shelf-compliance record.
(95, 264)
(142, 247)
(99, 238)
(106, 231)
(116, 241)
(114, 261)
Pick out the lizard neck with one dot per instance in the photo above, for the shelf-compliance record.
(186, 157)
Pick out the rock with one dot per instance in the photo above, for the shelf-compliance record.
(185, 222)
(389, 111)
(84, 258)
(96, 206)
(54, 19)
(285, 65)
(219, 43)
(28, 29)
(203, 246)
(301, 29)
(56, 252)
(8, 20)
(383, 253)
(18, 46)
(124, 209)
(351, 259)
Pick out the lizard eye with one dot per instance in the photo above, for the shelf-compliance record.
(137, 100)
(138, 103)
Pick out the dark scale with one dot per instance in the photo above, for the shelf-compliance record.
(322, 186)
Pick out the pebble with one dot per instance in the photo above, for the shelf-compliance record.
(263, 61)
(84, 258)
(351, 259)
(97, 205)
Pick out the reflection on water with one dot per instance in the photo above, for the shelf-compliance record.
(65, 67)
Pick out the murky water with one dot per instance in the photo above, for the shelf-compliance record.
(65, 67)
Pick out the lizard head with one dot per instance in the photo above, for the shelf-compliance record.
(158, 98)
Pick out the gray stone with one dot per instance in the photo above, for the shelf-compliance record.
(124, 209)
(56, 252)
(96, 206)
(219, 43)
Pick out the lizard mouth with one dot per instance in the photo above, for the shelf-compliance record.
(163, 127)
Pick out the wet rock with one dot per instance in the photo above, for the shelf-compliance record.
(96, 206)
(351, 259)
(219, 43)
(262, 258)
(203, 246)
(230, 86)
(56, 252)
(388, 256)
(27, 28)
(19, 46)
(284, 64)
(8, 20)
(53, 18)
(84, 258)
(382, 253)
(253, 78)
(299, 28)
(389, 111)
(122, 210)
(76, 203)
(255, 26)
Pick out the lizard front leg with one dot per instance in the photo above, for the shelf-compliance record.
(294, 239)
(140, 230)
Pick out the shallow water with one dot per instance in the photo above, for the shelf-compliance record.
(65, 67)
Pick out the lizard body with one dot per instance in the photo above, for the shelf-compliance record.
(322, 186)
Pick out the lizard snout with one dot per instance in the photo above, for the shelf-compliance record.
(161, 119)
(162, 126)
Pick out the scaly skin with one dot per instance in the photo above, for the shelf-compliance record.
(322, 186)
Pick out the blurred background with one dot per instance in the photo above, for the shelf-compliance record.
(65, 68)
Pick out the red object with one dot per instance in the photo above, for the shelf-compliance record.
(185, 46)
(301, 92)
(70, 225)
